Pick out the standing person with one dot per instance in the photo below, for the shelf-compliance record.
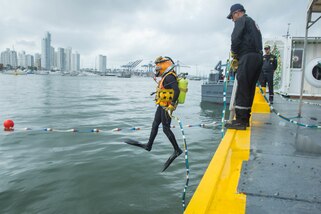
(270, 64)
(167, 93)
(246, 48)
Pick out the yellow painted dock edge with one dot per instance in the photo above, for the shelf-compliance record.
(259, 103)
(217, 191)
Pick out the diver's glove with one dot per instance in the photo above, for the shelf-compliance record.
(233, 55)
(234, 61)
(170, 109)
(234, 64)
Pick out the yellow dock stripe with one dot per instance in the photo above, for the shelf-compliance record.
(217, 191)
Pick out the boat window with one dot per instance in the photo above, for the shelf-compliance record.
(316, 71)
(296, 57)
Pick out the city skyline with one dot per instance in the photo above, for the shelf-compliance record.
(47, 60)
(63, 59)
(16, 59)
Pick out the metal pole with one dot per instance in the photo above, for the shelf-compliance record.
(304, 60)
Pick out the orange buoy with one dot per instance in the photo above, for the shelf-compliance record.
(8, 125)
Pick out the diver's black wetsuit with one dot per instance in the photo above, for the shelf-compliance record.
(161, 116)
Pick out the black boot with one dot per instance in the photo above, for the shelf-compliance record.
(242, 120)
(236, 124)
(246, 122)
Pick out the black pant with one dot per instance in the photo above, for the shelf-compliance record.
(248, 73)
(161, 116)
(267, 77)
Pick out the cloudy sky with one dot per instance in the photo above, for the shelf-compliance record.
(196, 32)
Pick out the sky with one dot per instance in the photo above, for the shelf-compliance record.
(195, 32)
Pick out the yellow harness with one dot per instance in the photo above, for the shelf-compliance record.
(164, 96)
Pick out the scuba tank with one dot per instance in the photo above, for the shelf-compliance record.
(182, 85)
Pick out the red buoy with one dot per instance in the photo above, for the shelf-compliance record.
(8, 125)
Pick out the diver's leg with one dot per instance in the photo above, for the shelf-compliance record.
(153, 133)
(166, 122)
(154, 130)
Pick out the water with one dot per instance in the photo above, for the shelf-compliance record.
(52, 172)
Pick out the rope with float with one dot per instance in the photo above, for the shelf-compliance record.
(9, 126)
(286, 118)
(296, 101)
(186, 159)
(226, 77)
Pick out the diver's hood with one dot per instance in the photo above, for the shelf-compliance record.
(163, 65)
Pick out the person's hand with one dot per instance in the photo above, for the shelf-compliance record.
(233, 55)
(170, 109)
(234, 64)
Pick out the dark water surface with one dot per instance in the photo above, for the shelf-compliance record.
(54, 172)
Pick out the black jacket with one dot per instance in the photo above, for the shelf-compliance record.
(246, 37)
(270, 63)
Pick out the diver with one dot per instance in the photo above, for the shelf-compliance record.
(167, 94)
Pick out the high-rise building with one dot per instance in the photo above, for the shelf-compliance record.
(75, 62)
(25, 60)
(45, 52)
(61, 64)
(102, 62)
(61, 59)
(56, 59)
(38, 61)
(52, 58)
(22, 59)
(68, 52)
(9, 57)
(29, 60)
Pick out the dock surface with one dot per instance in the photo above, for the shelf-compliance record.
(283, 174)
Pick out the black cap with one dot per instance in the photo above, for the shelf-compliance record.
(235, 7)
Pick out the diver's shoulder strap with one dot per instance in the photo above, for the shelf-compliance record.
(171, 72)
(163, 78)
